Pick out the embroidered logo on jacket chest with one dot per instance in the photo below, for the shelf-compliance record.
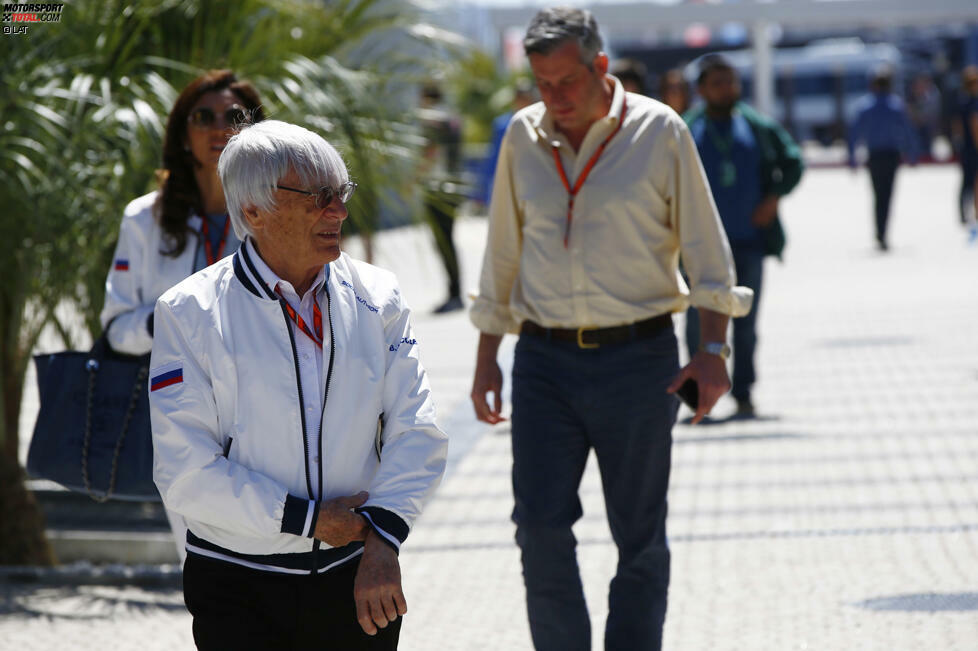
(359, 300)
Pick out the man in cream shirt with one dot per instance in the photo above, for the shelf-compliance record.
(597, 194)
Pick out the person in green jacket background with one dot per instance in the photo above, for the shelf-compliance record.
(751, 162)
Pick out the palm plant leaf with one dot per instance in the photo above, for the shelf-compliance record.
(83, 108)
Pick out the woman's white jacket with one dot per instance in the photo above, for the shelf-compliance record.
(141, 272)
(230, 450)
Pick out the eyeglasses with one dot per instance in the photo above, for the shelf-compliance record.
(324, 196)
(205, 118)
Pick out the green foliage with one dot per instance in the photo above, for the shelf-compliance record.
(481, 92)
(83, 105)
(351, 106)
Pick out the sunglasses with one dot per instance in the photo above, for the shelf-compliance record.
(205, 118)
(324, 196)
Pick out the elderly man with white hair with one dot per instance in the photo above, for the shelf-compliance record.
(293, 425)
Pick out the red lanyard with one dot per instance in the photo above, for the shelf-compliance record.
(572, 192)
(317, 320)
(211, 258)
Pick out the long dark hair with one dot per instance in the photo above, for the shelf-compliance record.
(179, 194)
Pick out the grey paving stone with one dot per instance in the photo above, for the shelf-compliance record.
(845, 518)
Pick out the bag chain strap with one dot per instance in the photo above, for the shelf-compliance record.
(140, 380)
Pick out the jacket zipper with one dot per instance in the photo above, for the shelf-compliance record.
(305, 436)
(329, 374)
(302, 406)
(322, 413)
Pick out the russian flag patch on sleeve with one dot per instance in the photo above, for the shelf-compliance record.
(121, 264)
(166, 376)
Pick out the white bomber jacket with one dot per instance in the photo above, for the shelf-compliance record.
(230, 450)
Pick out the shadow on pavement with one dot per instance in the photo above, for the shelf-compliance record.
(727, 438)
(865, 342)
(710, 421)
(735, 536)
(87, 602)
(928, 602)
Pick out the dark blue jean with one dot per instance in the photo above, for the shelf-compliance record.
(567, 401)
(882, 166)
(749, 264)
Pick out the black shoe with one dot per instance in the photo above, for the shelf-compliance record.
(881, 244)
(451, 305)
(745, 409)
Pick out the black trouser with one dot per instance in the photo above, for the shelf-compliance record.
(883, 165)
(966, 198)
(235, 607)
(442, 219)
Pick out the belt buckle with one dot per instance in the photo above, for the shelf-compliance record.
(580, 338)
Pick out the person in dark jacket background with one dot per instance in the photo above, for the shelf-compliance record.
(966, 128)
(751, 162)
(883, 125)
(443, 191)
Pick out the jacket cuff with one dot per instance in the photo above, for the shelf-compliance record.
(299, 516)
(391, 528)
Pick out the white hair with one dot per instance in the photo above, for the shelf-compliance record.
(260, 155)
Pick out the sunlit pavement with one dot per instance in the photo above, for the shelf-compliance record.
(844, 517)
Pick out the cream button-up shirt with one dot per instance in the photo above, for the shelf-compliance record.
(645, 202)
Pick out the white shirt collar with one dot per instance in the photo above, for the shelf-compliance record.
(545, 124)
(272, 279)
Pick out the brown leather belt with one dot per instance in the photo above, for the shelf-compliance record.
(595, 337)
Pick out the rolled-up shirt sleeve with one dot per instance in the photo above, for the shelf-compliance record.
(491, 312)
(703, 244)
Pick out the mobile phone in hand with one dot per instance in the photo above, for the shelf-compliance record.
(689, 392)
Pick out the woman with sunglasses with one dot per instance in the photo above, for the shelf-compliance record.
(183, 227)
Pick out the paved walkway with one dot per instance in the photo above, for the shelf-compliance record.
(845, 517)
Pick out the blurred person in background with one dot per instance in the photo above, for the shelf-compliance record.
(597, 193)
(441, 168)
(523, 95)
(751, 163)
(674, 90)
(966, 130)
(882, 124)
(183, 227)
(924, 111)
(632, 75)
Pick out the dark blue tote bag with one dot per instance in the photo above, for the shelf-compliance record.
(93, 433)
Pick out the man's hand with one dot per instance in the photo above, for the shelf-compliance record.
(765, 212)
(337, 524)
(710, 373)
(488, 379)
(377, 589)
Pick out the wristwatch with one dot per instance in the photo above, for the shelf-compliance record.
(716, 348)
